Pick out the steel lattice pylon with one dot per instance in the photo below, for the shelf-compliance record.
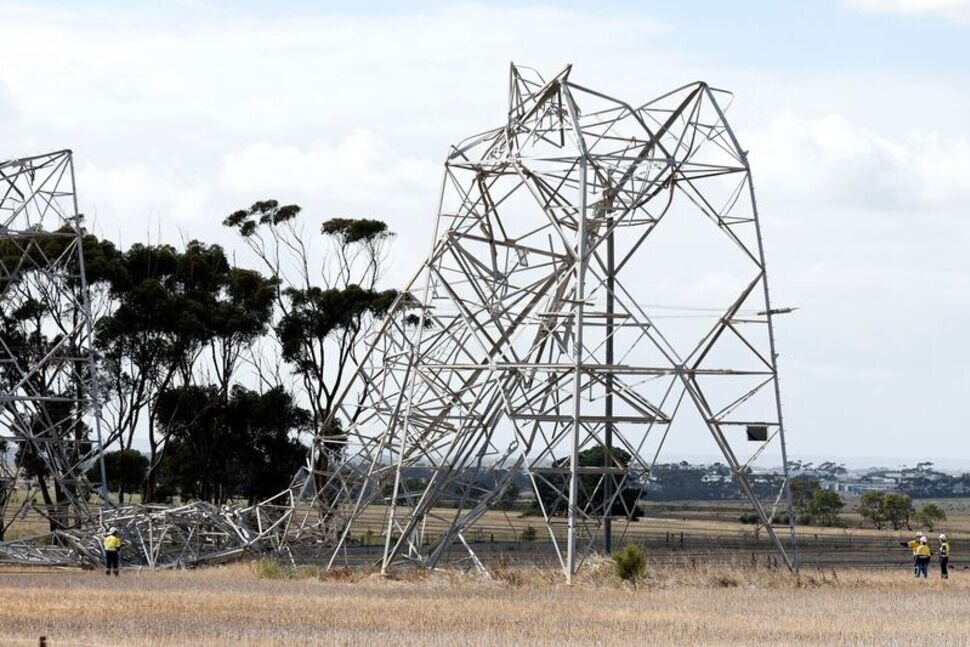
(50, 418)
(49, 411)
(50, 405)
(526, 338)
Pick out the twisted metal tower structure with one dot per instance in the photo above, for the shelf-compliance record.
(50, 432)
(51, 461)
(531, 340)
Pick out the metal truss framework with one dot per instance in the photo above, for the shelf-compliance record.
(523, 343)
(49, 417)
(50, 421)
(161, 536)
(525, 339)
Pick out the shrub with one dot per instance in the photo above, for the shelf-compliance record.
(929, 515)
(802, 491)
(825, 507)
(882, 507)
(898, 509)
(872, 507)
(268, 569)
(629, 563)
(780, 518)
(529, 534)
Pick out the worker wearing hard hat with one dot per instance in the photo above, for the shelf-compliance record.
(913, 546)
(112, 544)
(923, 554)
(944, 557)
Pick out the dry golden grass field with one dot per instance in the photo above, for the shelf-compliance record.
(253, 603)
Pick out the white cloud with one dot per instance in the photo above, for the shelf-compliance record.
(129, 203)
(951, 8)
(829, 160)
(355, 170)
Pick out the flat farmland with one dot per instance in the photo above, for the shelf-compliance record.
(674, 532)
(239, 604)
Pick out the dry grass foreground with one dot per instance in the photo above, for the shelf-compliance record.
(257, 603)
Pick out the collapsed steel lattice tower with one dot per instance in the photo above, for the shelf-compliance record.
(531, 335)
(50, 417)
(50, 432)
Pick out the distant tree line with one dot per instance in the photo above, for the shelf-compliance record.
(923, 482)
(816, 506)
(687, 482)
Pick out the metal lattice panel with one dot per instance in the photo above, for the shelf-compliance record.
(528, 336)
(49, 418)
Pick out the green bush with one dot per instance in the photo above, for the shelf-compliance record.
(269, 569)
(825, 507)
(929, 515)
(630, 562)
(779, 519)
(872, 508)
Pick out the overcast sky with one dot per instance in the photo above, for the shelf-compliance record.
(856, 115)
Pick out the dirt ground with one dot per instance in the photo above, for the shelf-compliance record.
(253, 604)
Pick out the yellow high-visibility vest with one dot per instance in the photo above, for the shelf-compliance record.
(945, 549)
(112, 542)
(923, 551)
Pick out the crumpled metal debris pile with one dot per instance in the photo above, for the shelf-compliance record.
(159, 536)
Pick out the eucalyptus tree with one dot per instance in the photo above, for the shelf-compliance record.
(324, 303)
(242, 447)
(183, 317)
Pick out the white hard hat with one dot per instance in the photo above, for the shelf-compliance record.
(922, 539)
(112, 530)
(943, 537)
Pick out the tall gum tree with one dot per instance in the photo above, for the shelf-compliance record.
(182, 318)
(324, 305)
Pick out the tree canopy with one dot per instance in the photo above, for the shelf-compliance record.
(592, 487)
(880, 508)
(240, 448)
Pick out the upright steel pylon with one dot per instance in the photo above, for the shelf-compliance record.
(50, 432)
(540, 336)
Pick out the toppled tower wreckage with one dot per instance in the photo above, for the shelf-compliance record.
(159, 536)
(545, 343)
(537, 338)
(51, 510)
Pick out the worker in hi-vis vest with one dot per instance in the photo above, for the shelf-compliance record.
(944, 557)
(913, 544)
(923, 555)
(112, 544)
